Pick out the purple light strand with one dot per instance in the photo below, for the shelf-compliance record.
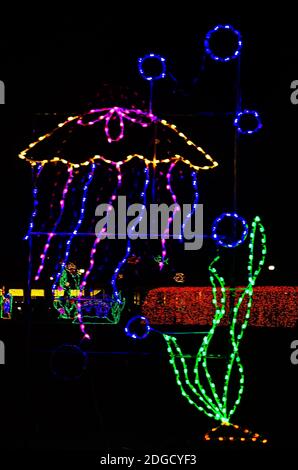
(50, 236)
(35, 200)
(128, 245)
(98, 239)
(170, 219)
(92, 256)
(78, 224)
(121, 113)
(196, 199)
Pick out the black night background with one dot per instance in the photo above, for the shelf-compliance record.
(57, 64)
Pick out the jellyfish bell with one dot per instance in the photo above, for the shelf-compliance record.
(98, 154)
(115, 135)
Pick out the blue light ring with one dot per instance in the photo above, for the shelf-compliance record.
(247, 112)
(238, 242)
(75, 348)
(141, 61)
(217, 28)
(133, 335)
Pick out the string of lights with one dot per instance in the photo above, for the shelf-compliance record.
(233, 433)
(219, 29)
(155, 57)
(253, 273)
(51, 235)
(100, 236)
(166, 231)
(77, 226)
(128, 244)
(163, 122)
(93, 251)
(251, 114)
(109, 114)
(35, 199)
(195, 201)
(210, 402)
(221, 240)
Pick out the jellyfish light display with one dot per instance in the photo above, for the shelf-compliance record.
(122, 159)
(93, 159)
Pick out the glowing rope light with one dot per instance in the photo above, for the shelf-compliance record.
(116, 293)
(170, 219)
(163, 122)
(22, 155)
(220, 28)
(253, 273)
(91, 262)
(222, 434)
(52, 202)
(195, 202)
(211, 403)
(35, 200)
(51, 235)
(169, 185)
(245, 113)
(103, 230)
(118, 268)
(205, 397)
(142, 319)
(78, 224)
(162, 61)
(107, 114)
(220, 240)
(128, 246)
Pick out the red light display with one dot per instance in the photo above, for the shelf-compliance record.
(273, 306)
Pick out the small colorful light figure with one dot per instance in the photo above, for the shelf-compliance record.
(254, 115)
(6, 303)
(69, 284)
(133, 259)
(222, 28)
(158, 260)
(179, 277)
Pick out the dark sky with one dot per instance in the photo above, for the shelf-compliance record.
(59, 62)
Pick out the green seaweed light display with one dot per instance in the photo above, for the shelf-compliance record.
(199, 388)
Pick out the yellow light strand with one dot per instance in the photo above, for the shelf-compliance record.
(214, 164)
